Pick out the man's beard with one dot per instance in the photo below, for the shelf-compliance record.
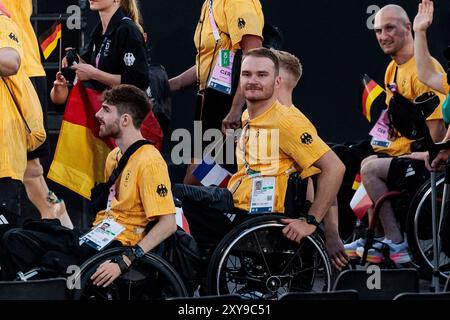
(110, 131)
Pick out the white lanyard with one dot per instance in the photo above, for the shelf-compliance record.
(215, 30)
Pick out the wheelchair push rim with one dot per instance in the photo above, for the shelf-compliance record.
(269, 271)
(138, 283)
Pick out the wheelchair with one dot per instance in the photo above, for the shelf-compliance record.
(256, 261)
(423, 219)
(419, 229)
(149, 278)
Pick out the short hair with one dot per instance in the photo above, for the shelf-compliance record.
(264, 53)
(289, 62)
(129, 99)
(399, 12)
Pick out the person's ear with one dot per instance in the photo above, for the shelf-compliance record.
(126, 119)
(278, 81)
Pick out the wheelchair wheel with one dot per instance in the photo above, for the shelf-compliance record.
(150, 278)
(419, 230)
(256, 261)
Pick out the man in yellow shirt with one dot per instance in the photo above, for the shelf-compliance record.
(275, 142)
(223, 29)
(140, 195)
(35, 185)
(21, 128)
(393, 30)
(290, 74)
(437, 80)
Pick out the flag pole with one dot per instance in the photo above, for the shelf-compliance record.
(60, 46)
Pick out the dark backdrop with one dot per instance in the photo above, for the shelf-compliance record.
(330, 37)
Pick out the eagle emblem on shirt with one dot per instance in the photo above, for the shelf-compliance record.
(161, 190)
(129, 59)
(13, 37)
(241, 23)
(306, 138)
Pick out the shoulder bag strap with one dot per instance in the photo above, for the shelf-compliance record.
(17, 105)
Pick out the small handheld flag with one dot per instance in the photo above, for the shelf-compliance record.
(210, 173)
(360, 202)
(370, 91)
(49, 39)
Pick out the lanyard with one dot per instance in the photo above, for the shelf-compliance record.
(100, 52)
(215, 30)
(245, 139)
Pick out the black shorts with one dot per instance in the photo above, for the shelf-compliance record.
(9, 204)
(407, 175)
(40, 85)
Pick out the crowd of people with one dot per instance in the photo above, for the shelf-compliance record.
(240, 85)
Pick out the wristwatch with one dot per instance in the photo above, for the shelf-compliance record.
(138, 251)
(134, 253)
(310, 219)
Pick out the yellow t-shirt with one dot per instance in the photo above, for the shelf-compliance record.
(410, 87)
(445, 83)
(14, 139)
(278, 142)
(311, 171)
(143, 192)
(234, 19)
(21, 11)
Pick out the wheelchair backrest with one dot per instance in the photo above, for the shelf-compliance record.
(295, 201)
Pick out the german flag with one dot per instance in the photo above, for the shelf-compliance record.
(49, 39)
(370, 91)
(80, 154)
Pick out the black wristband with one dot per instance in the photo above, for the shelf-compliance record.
(122, 264)
(129, 253)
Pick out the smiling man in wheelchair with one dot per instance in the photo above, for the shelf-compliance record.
(276, 142)
(137, 197)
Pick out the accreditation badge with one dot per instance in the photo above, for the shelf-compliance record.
(380, 131)
(263, 195)
(221, 74)
(102, 234)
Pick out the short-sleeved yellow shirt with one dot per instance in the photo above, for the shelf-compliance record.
(445, 83)
(234, 19)
(143, 192)
(276, 143)
(21, 12)
(410, 87)
(14, 139)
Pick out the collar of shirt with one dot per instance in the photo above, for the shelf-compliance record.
(112, 25)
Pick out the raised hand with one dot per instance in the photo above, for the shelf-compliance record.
(424, 16)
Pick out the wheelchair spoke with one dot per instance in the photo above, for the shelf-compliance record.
(262, 253)
(293, 256)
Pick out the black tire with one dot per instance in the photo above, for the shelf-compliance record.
(419, 229)
(262, 263)
(149, 278)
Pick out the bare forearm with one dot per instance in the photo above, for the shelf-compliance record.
(238, 100)
(184, 80)
(9, 62)
(331, 220)
(328, 184)
(165, 227)
(425, 67)
(107, 78)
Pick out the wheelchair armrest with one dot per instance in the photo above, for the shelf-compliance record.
(442, 145)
